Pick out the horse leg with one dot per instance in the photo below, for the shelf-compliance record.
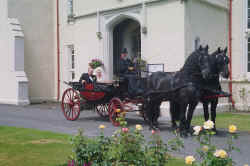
(157, 111)
(213, 111)
(190, 113)
(173, 112)
(183, 122)
(149, 107)
(205, 109)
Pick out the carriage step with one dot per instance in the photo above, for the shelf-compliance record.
(131, 107)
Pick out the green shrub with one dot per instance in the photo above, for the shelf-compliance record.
(126, 147)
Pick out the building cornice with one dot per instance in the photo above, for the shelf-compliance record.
(136, 5)
(217, 3)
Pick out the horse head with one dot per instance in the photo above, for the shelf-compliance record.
(204, 63)
(221, 61)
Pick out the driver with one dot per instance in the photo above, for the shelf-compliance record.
(127, 72)
(126, 65)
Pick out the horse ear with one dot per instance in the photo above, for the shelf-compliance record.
(207, 47)
(219, 49)
(200, 48)
(225, 50)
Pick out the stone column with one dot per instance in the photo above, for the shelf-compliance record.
(14, 83)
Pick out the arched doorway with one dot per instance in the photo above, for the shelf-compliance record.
(126, 34)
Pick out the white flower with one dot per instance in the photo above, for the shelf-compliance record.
(197, 130)
(208, 124)
(220, 153)
(217, 153)
(189, 160)
(138, 127)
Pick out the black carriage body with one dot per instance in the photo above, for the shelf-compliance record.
(97, 93)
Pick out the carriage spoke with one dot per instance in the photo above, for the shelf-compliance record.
(68, 112)
(72, 112)
(101, 109)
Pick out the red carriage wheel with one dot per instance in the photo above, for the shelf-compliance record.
(70, 104)
(115, 110)
(102, 110)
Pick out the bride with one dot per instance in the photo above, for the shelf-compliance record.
(100, 75)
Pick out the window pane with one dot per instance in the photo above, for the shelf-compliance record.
(248, 23)
(73, 75)
(248, 3)
(248, 12)
(248, 64)
(73, 61)
(70, 7)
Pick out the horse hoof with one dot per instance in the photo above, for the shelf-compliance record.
(154, 128)
(157, 128)
(215, 131)
(156, 124)
(175, 127)
(191, 131)
(184, 134)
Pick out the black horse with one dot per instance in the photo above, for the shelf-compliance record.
(210, 92)
(182, 87)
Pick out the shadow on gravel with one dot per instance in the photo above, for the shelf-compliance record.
(94, 118)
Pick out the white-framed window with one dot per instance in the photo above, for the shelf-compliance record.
(248, 55)
(70, 8)
(71, 62)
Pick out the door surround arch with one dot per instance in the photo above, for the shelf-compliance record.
(109, 21)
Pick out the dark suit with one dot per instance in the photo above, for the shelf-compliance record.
(85, 76)
(124, 65)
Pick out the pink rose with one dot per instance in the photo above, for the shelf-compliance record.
(125, 130)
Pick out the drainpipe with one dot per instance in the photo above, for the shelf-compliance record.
(230, 52)
(58, 49)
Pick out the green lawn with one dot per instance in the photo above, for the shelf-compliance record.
(223, 120)
(29, 147)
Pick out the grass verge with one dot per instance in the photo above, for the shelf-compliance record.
(30, 147)
(223, 120)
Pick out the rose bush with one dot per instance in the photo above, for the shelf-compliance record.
(127, 146)
(208, 154)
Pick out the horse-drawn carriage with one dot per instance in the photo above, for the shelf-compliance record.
(194, 82)
(107, 99)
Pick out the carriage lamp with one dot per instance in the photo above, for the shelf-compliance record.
(117, 110)
(99, 35)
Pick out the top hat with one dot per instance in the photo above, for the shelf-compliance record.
(124, 51)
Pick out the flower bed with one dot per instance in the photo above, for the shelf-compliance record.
(209, 154)
(127, 146)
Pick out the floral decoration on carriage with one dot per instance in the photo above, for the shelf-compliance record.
(95, 63)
